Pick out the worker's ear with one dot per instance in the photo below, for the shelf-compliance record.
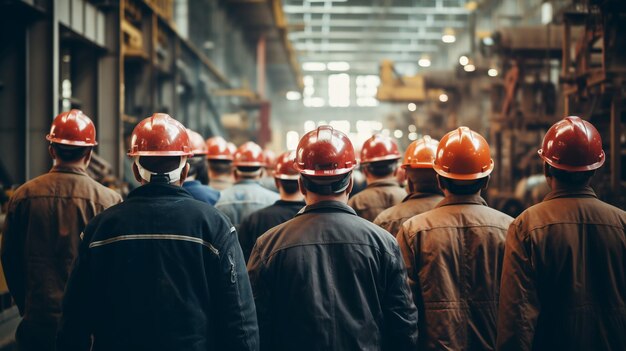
(277, 183)
(137, 175)
(301, 186)
(486, 183)
(440, 183)
(183, 173)
(87, 157)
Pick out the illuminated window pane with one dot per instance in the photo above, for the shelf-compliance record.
(339, 90)
(292, 138)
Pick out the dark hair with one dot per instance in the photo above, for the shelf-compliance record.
(160, 164)
(289, 186)
(381, 168)
(326, 185)
(221, 167)
(198, 169)
(571, 179)
(465, 188)
(69, 153)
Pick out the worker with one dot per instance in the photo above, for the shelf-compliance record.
(454, 252)
(45, 218)
(564, 274)
(267, 180)
(424, 193)
(220, 156)
(247, 195)
(198, 169)
(379, 162)
(327, 279)
(160, 271)
(291, 201)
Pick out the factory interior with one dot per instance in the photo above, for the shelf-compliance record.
(269, 71)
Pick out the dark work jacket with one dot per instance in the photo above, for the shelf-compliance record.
(564, 276)
(330, 280)
(392, 218)
(453, 255)
(161, 271)
(377, 197)
(264, 219)
(41, 237)
(201, 192)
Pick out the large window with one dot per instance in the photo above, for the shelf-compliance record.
(339, 90)
(366, 88)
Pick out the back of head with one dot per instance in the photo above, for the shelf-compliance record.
(379, 156)
(160, 146)
(418, 164)
(249, 160)
(72, 135)
(572, 151)
(197, 163)
(325, 159)
(463, 161)
(286, 173)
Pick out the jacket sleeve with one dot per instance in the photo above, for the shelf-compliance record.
(519, 304)
(400, 312)
(246, 236)
(261, 290)
(408, 255)
(13, 257)
(75, 328)
(239, 329)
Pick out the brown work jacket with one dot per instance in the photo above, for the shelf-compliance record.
(453, 255)
(377, 197)
(41, 236)
(392, 218)
(564, 276)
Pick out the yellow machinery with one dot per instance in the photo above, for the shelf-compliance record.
(395, 88)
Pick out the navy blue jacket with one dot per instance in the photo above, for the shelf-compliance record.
(160, 271)
(201, 192)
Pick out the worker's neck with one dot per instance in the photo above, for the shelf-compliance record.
(312, 198)
(80, 164)
(371, 179)
(295, 197)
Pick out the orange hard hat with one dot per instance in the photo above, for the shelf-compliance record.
(421, 153)
(379, 148)
(463, 154)
(285, 168)
(573, 145)
(160, 135)
(249, 155)
(325, 152)
(219, 149)
(72, 128)
(198, 146)
(270, 158)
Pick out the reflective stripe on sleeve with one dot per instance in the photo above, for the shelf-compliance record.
(155, 237)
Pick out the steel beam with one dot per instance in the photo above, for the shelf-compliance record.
(364, 47)
(361, 57)
(368, 34)
(375, 23)
(376, 10)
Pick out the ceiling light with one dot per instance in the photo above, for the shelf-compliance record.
(412, 107)
(424, 61)
(443, 97)
(492, 72)
(398, 133)
(314, 66)
(463, 60)
(448, 36)
(488, 41)
(469, 68)
(412, 128)
(338, 66)
(412, 136)
(293, 95)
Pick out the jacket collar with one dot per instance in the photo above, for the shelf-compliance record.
(418, 195)
(158, 190)
(474, 199)
(247, 181)
(586, 191)
(381, 183)
(327, 206)
(290, 203)
(68, 169)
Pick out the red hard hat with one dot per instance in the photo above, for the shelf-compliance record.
(249, 155)
(160, 135)
(463, 154)
(198, 146)
(325, 152)
(219, 149)
(72, 128)
(285, 166)
(573, 145)
(379, 148)
(270, 158)
(421, 153)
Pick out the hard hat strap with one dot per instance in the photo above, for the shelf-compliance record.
(168, 177)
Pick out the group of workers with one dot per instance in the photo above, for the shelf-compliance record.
(203, 258)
